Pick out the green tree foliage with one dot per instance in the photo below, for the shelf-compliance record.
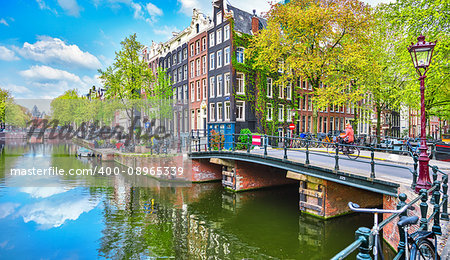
(159, 102)
(127, 77)
(15, 114)
(4, 96)
(322, 41)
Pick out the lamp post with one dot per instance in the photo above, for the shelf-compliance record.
(421, 54)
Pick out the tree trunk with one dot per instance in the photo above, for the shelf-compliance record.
(378, 122)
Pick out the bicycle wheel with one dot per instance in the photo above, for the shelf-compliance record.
(353, 152)
(331, 149)
(424, 250)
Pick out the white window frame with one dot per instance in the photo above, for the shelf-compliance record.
(197, 47)
(205, 70)
(219, 111)
(280, 113)
(219, 84)
(289, 91)
(212, 112)
(219, 18)
(198, 67)
(192, 92)
(269, 115)
(238, 118)
(226, 56)
(198, 90)
(212, 58)
(227, 111)
(185, 71)
(211, 39)
(212, 86)
(281, 91)
(218, 36)
(239, 50)
(240, 83)
(192, 49)
(227, 84)
(192, 69)
(204, 87)
(226, 32)
(203, 43)
(269, 90)
(219, 59)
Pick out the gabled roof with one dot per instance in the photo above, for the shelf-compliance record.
(243, 20)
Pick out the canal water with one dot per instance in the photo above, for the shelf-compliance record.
(89, 217)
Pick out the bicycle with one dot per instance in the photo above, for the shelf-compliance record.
(418, 244)
(415, 150)
(351, 150)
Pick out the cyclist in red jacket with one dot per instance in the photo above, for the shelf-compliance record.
(349, 136)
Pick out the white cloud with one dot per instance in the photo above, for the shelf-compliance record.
(7, 54)
(44, 6)
(54, 50)
(70, 6)
(153, 10)
(44, 192)
(15, 89)
(202, 5)
(7, 209)
(3, 21)
(46, 73)
(138, 13)
(165, 31)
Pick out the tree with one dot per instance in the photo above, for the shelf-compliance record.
(127, 77)
(4, 96)
(159, 98)
(321, 41)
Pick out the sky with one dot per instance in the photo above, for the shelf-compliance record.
(50, 46)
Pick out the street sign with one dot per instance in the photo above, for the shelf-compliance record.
(292, 126)
(256, 140)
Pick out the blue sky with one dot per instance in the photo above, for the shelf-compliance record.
(49, 46)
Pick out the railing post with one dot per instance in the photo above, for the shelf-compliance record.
(437, 198)
(372, 162)
(233, 136)
(414, 183)
(444, 214)
(209, 141)
(265, 145)
(220, 140)
(248, 143)
(364, 248)
(401, 231)
(336, 158)
(307, 152)
(434, 175)
(424, 209)
(285, 147)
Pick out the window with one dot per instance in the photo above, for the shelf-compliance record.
(281, 66)
(331, 124)
(320, 125)
(227, 84)
(219, 58)
(204, 89)
(212, 112)
(240, 107)
(303, 123)
(309, 86)
(192, 92)
(180, 74)
(226, 32)
(185, 71)
(192, 69)
(204, 64)
(240, 55)
(325, 125)
(179, 57)
(211, 39)
(332, 108)
(198, 67)
(180, 91)
(269, 91)
(219, 85)
(197, 47)
(185, 88)
(304, 85)
(218, 18)
(240, 78)
(184, 53)
(269, 112)
(198, 91)
(204, 43)
(305, 99)
(309, 103)
(211, 61)
(281, 91)
(219, 36)
(219, 111)
(227, 111)
(174, 76)
(192, 50)
(309, 124)
(280, 113)
(211, 86)
(289, 91)
(226, 56)
(174, 57)
(289, 114)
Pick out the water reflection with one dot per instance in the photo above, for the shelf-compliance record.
(83, 218)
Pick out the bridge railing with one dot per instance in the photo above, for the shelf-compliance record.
(292, 148)
(364, 236)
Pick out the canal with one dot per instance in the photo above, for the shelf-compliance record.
(87, 217)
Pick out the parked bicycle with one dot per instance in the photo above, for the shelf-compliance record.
(418, 246)
(415, 150)
(351, 150)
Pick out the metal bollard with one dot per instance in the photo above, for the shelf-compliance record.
(248, 143)
(307, 152)
(423, 209)
(285, 147)
(372, 162)
(265, 145)
(437, 198)
(414, 183)
(444, 214)
(434, 175)
(336, 158)
(233, 136)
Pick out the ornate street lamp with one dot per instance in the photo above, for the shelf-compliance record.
(421, 54)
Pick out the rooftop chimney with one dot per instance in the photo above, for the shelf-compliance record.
(255, 23)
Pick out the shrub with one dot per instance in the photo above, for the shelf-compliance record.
(217, 140)
(243, 139)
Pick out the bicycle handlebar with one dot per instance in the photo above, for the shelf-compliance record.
(355, 207)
